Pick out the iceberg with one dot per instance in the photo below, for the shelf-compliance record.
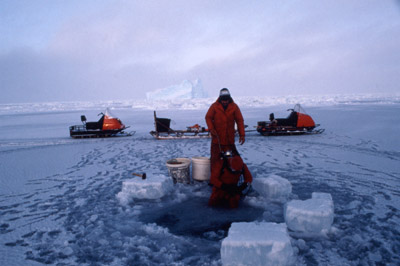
(186, 90)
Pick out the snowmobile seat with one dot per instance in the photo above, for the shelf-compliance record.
(262, 123)
(291, 120)
(92, 125)
(95, 125)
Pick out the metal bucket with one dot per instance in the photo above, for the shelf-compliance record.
(179, 170)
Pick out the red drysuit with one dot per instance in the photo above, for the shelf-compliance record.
(226, 173)
(222, 122)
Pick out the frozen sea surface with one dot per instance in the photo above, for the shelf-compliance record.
(58, 201)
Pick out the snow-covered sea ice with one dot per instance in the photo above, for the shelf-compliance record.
(59, 203)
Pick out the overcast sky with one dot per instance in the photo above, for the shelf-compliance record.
(59, 50)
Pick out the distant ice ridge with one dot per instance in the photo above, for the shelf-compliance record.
(186, 90)
(202, 103)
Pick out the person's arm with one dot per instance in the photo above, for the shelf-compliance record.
(248, 178)
(240, 125)
(210, 119)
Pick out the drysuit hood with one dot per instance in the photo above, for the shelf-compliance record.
(224, 95)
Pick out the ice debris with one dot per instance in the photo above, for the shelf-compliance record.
(257, 243)
(310, 216)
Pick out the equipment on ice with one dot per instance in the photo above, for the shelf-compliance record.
(298, 122)
(163, 130)
(143, 176)
(179, 170)
(107, 126)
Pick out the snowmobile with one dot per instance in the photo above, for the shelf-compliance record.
(163, 130)
(107, 126)
(297, 123)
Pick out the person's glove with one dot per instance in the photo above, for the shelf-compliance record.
(213, 132)
(231, 188)
(241, 140)
(243, 187)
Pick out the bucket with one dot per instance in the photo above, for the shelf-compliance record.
(201, 168)
(179, 170)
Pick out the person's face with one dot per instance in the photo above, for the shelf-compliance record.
(224, 103)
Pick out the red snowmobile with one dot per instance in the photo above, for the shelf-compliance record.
(298, 122)
(107, 126)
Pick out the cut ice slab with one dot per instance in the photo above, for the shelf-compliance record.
(274, 188)
(153, 187)
(257, 244)
(310, 216)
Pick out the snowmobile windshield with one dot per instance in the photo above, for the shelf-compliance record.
(109, 114)
(299, 109)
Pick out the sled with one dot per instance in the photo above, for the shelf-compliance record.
(297, 123)
(107, 126)
(164, 131)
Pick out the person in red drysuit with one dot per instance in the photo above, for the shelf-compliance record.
(221, 118)
(225, 177)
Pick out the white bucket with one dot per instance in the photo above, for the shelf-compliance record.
(201, 169)
(179, 170)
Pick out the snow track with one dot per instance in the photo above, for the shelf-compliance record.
(58, 203)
